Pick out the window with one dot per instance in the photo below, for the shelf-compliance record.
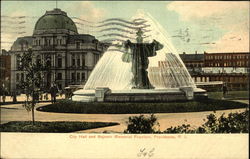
(49, 42)
(78, 45)
(83, 60)
(78, 77)
(59, 62)
(17, 77)
(78, 62)
(48, 62)
(73, 76)
(96, 58)
(59, 41)
(83, 76)
(59, 76)
(73, 62)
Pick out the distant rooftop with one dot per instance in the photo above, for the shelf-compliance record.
(192, 57)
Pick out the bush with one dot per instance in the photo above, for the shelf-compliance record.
(55, 127)
(233, 123)
(142, 124)
(184, 128)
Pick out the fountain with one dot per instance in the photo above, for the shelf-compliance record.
(140, 66)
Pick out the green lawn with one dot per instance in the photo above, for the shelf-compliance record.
(51, 127)
(229, 95)
(68, 106)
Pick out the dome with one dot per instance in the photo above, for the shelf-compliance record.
(55, 19)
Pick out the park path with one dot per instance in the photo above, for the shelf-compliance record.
(16, 112)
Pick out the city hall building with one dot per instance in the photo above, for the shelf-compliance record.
(57, 43)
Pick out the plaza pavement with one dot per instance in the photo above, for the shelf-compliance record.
(15, 112)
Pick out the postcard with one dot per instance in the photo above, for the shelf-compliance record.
(124, 79)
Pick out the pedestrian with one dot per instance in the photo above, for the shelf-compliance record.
(224, 89)
(14, 97)
(4, 97)
(53, 92)
(41, 97)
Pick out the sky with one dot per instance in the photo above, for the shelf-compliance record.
(212, 26)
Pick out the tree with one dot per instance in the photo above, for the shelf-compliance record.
(33, 82)
(141, 124)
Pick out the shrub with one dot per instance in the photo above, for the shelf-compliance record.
(184, 128)
(233, 123)
(55, 127)
(142, 124)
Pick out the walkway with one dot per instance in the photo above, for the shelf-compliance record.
(16, 112)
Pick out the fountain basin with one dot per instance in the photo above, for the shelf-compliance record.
(138, 95)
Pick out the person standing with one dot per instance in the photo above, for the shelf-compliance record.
(225, 90)
(53, 92)
(14, 97)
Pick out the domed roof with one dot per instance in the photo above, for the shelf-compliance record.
(55, 19)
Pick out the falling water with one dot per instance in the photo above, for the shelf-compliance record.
(166, 69)
(110, 72)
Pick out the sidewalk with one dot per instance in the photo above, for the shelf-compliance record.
(22, 98)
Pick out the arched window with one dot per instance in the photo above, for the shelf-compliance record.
(48, 61)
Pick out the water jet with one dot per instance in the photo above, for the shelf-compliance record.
(144, 68)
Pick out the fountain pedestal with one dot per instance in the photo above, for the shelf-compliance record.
(103, 94)
(189, 92)
(100, 93)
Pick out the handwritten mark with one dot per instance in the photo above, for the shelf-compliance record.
(146, 153)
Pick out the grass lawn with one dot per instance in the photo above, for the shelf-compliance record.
(230, 95)
(51, 127)
(67, 106)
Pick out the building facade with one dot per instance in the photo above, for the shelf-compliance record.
(230, 68)
(56, 43)
(5, 73)
(193, 62)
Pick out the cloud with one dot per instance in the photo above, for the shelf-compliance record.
(7, 39)
(9, 36)
(188, 10)
(90, 12)
(236, 40)
(232, 18)
(18, 13)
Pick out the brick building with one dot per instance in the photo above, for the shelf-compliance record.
(193, 62)
(230, 68)
(5, 73)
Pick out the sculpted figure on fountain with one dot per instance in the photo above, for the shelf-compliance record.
(138, 55)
